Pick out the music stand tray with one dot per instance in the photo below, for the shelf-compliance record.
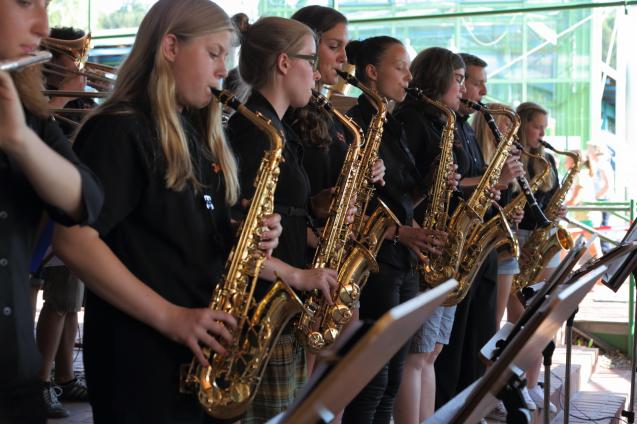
(477, 400)
(335, 383)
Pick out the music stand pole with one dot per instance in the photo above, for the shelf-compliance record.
(547, 354)
(567, 377)
(630, 412)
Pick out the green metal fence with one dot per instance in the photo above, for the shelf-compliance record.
(625, 211)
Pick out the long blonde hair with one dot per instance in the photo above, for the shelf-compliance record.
(527, 112)
(145, 77)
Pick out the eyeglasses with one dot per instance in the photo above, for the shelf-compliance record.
(312, 58)
(459, 78)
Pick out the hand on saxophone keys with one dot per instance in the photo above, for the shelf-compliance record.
(377, 172)
(494, 193)
(422, 241)
(270, 233)
(199, 327)
(321, 202)
(454, 178)
(516, 216)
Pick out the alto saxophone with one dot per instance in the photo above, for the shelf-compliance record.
(541, 246)
(321, 328)
(332, 246)
(439, 196)
(467, 218)
(225, 388)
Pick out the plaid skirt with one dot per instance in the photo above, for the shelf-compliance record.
(284, 375)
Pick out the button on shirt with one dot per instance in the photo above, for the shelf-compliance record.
(20, 213)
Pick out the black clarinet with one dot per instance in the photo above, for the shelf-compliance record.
(522, 181)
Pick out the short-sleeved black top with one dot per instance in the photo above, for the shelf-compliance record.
(293, 189)
(20, 213)
(529, 222)
(176, 242)
(403, 182)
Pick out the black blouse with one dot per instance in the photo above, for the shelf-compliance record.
(176, 242)
(20, 213)
(403, 182)
(293, 189)
(529, 222)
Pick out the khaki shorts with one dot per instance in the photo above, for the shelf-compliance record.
(62, 290)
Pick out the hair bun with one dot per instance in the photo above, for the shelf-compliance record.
(242, 22)
(352, 50)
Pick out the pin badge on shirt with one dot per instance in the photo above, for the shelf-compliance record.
(207, 200)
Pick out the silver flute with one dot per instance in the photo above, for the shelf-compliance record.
(24, 61)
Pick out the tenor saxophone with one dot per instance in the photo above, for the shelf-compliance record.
(541, 245)
(225, 388)
(321, 327)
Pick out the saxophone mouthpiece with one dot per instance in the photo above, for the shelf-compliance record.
(351, 79)
(547, 145)
(216, 92)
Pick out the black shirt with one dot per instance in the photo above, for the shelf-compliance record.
(529, 222)
(423, 127)
(322, 163)
(293, 189)
(176, 242)
(20, 213)
(403, 182)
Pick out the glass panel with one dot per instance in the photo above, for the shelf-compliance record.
(69, 13)
(609, 103)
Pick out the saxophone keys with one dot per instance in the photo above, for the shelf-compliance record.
(341, 314)
(315, 340)
(331, 334)
(240, 392)
(349, 293)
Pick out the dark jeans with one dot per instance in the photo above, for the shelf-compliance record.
(458, 364)
(23, 405)
(384, 290)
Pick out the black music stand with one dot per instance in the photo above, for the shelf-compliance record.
(613, 279)
(338, 380)
(504, 379)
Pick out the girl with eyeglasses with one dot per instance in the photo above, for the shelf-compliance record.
(278, 62)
